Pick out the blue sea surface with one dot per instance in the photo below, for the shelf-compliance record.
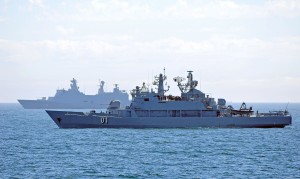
(32, 146)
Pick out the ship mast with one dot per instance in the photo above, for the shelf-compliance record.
(116, 88)
(191, 84)
(73, 85)
(101, 87)
(159, 82)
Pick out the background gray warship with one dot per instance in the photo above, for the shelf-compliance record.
(74, 99)
(150, 109)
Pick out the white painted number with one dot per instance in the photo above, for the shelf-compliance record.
(103, 120)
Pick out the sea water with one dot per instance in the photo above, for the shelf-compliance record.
(32, 146)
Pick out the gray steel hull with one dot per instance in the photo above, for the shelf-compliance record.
(65, 119)
(45, 104)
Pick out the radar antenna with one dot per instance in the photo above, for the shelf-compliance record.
(144, 88)
(116, 86)
(73, 85)
(178, 79)
(101, 86)
(190, 85)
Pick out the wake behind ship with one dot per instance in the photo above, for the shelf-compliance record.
(74, 99)
(154, 109)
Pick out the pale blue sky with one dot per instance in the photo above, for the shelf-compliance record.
(240, 50)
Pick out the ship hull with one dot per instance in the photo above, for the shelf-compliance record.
(65, 119)
(45, 104)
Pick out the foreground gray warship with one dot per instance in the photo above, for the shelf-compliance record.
(74, 99)
(150, 109)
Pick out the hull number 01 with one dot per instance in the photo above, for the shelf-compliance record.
(103, 120)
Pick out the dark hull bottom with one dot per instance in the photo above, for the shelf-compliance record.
(80, 120)
(148, 127)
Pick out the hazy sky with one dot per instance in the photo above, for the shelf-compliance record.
(239, 50)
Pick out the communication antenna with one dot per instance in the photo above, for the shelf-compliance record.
(287, 106)
(99, 82)
(200, 81)
(148, 83)
(152, 79)
(165, 76)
